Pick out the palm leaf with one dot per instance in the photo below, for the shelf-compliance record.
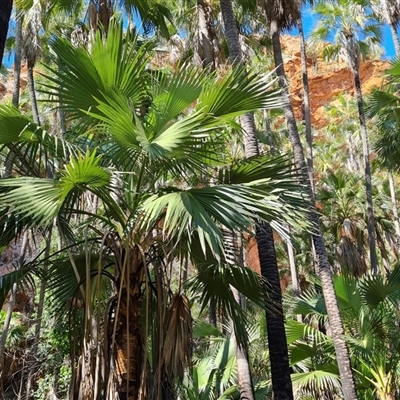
(213, 283)
(316, 381)
(80, 77)
(237, 94)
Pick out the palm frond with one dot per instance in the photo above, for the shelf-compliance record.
(213, 284)
(237, 94)
(177, 349)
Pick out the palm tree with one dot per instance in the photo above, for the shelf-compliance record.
(143, 144)
(282, 386)
(5, 14)
(352, 30)
(282, 15)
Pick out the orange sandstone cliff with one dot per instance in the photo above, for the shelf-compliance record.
(326, 80)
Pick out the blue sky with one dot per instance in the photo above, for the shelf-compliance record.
(308, 23)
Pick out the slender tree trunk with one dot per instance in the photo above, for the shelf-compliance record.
(269, 268)
(206, 38)
(396, 41)
(32, 94)
(17, 61)
(35, 346)
(368, 176)
(268, 131)
(306, 104)
(394, 204)
(278, 350)
(5, 14)
(293, 270)
(235, 56)
(322, 263)
(243, 366)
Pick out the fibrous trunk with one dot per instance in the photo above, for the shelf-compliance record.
(125, 334)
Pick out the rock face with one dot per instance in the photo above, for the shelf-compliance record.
(326, 80)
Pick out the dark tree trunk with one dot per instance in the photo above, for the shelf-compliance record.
(17, 62)
(278, 350)
(276, 329)
(368, 177)
(322, 263)
(5, 14)
(306, 103)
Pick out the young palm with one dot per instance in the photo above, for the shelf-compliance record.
(146, 144)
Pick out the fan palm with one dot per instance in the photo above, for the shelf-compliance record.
(146, 145)
(369, 309)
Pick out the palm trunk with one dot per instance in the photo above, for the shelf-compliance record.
(17, 62)
(104, 15)
(235, 56)
(32, 95)
(243, 365)
(368, 176)
(394, 204)
(269, 269)
(278, 350)
(322, 263)
(5, 14)
(293, 270)
(306, 103)
(128, 352)
(34, 351)
(206, 34)
(268, 131)
(206, 37)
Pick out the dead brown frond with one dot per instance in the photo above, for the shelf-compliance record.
(177, 349)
